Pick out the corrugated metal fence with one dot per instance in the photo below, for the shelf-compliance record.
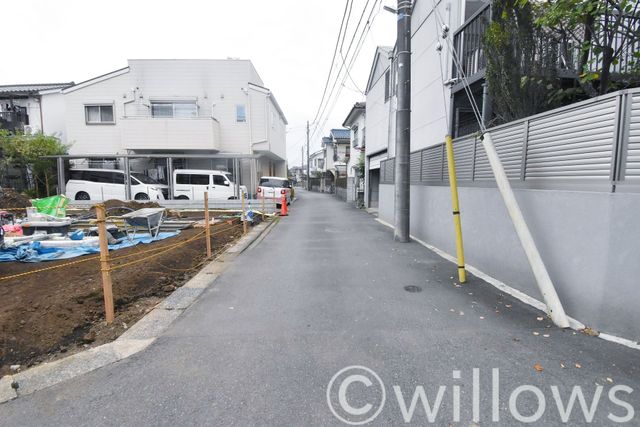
(592, 145)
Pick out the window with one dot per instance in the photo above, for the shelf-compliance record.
(99, 114)
(387, 86)
(179, 110)
(241, 114)
(192, 179)
(347, 152)
(220, 180)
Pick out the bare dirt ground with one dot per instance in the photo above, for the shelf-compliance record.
(47, 315)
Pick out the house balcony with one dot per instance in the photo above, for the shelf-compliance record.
(171, 134)
(13, 120)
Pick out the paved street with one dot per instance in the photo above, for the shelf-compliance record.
(323, 291)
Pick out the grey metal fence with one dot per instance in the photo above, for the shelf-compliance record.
(592, 145)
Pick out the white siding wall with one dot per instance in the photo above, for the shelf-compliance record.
(429, 99)
(355, 151)
(53, 115)
(379, 114)
(96, 139)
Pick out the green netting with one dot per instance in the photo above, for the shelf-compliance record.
(54, 205)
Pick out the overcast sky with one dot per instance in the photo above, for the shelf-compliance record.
(290, 42)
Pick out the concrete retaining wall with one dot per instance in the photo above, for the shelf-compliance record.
(590, 243)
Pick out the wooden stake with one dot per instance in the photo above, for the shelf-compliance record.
(242, 217)
(105, 268)
(262, 206)
(206, 223)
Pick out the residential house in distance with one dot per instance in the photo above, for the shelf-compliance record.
(355, 122)
(340, 141)
(33, 108)
(218, 114)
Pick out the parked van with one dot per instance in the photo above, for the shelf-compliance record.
(105, 184)
(191, 184)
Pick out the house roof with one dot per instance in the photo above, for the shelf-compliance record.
(380, 50)
(358, 108)
(341, 133)
(326, 140)
(27, 89)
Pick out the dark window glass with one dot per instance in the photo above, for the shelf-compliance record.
(77, 175)
(118, 178)
(220, 180)
(99, 176)
(274, 182)
(182, 179)
(199, 179)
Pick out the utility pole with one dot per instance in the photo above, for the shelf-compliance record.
(308, 176)
(403, 123)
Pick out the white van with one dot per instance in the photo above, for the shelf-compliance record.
(105, 184)
(191, 184)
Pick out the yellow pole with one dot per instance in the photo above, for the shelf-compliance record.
(453, 183)
(107, 288)
(207, 226)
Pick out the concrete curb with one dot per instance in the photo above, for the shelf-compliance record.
(138, 337)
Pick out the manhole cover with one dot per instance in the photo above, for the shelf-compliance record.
(413, 288)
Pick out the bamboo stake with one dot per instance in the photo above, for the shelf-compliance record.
(105, 268)
(242, 217)
(207, 226)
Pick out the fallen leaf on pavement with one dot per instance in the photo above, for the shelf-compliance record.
(562, 365)
(546, 335)
(590, 332)
(609, 380)
(540, 319)
(538, 367)
(536, 333)
(578, 365)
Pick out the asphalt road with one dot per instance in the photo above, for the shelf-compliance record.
(325, 291)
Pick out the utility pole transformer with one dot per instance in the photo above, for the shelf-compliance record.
(403, 123)
(308, 176)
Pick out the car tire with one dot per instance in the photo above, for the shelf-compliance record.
(141, 196)
(82, 195)
(182, 198)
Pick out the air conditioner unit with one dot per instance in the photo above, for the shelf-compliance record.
(28, 129)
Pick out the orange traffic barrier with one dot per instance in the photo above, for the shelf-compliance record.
(283, 206)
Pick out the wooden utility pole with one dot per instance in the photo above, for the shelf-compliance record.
(105, 268)
(207, 227)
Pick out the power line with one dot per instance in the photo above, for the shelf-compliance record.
(335, 51)
(358, 47)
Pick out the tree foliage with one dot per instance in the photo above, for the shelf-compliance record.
(519, 72)
(543, 54)
(606, 34)
(28, 152)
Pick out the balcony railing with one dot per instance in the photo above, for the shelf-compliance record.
(13, 120)
(550, 49)
(468, 43)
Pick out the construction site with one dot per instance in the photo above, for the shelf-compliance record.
(53, 270)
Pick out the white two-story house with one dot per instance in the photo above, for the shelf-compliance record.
(186, 107)
(356, 123)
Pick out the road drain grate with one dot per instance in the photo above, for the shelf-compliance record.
(413, 288)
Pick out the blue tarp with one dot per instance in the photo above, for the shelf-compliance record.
(34, 252)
